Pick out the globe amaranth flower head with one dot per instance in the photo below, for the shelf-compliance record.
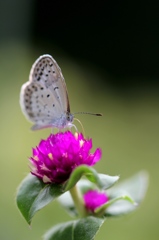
(94, 199)
(57, 156)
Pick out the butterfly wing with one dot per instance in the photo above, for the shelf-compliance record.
(46, 71)
(44, 98)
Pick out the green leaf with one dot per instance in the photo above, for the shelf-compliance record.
(82, 229)
(107, 181)
(33, 195)
(134, 187)
(83, 170)
(100, 210)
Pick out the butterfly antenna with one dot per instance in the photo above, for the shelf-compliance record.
(81, 125)
(95, 114)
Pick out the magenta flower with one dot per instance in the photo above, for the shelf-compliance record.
(94, 199)
(57, 156)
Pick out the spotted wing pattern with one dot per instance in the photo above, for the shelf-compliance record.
(44, 98)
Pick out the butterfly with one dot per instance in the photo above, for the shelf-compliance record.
(44, 98)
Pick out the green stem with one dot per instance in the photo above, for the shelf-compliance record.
(78, 201)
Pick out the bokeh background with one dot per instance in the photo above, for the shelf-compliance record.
(109, 55)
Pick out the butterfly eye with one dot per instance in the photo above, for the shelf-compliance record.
(69, 117)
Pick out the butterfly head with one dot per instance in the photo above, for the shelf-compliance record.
(69, 117)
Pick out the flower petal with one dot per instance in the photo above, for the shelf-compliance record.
(56, 157)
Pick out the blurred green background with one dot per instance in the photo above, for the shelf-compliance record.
(109, 56)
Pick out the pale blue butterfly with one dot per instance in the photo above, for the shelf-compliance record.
(44, 98)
